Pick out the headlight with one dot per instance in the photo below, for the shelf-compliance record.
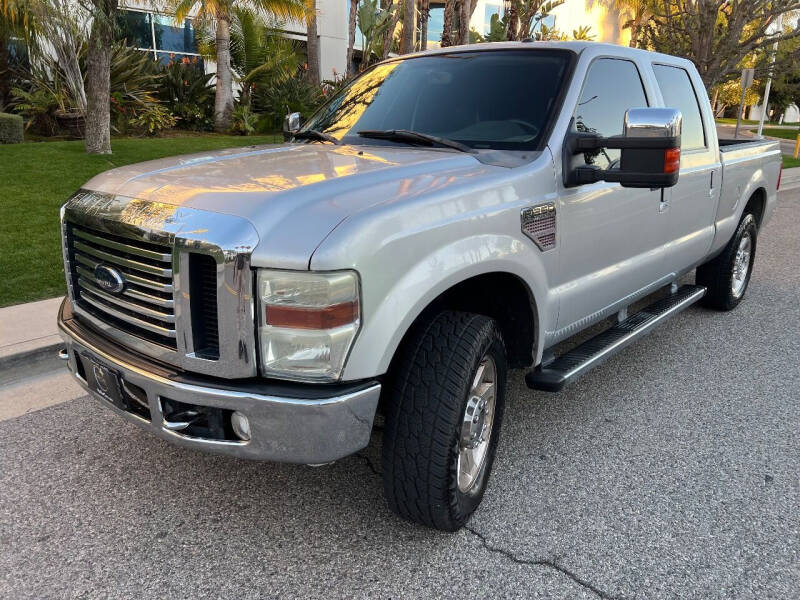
(307, 323)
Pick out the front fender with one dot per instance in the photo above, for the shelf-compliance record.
(392, 305)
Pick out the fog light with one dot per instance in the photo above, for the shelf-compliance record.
(241, 425)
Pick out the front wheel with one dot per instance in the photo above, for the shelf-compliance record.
(728, 275)
(443, 419)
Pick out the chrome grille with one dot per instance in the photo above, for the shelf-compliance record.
(146, 306)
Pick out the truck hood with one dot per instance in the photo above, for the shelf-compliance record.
(296, 194)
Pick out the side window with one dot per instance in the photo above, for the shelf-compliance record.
(612, 86)
(678, 92)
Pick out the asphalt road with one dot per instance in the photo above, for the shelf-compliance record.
(672, 471)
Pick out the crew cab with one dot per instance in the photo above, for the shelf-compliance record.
(445, 217)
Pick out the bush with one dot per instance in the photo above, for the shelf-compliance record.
(244, 120)
(188, 93)
(296, 95)
(154, 119)
(10, 129)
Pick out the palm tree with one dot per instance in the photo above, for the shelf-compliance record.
(351, 37)
(522, 16)
(424, 15)
(16, 19)
(98, 77)
(636, 14)
(449, 23)
(407, 40)
(312, 44)
(219, 13)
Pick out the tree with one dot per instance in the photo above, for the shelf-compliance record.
(351, 37)
(260, 54)
(16, 19)
(218, 12)
(388, 34)
(98, 77)
(636, 13)
(407, 40)
(522, 17)
(375, 24)
(424, 15)
(312, 44)
(448, 31)
(716, 35)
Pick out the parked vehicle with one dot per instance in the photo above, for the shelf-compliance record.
(446, 217)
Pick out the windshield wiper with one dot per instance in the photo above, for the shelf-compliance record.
(414, 137)
(313, 134)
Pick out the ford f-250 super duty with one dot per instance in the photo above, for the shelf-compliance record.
(445, 217)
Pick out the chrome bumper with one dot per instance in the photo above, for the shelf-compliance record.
(317, 424)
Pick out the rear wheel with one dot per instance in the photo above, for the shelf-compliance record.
(443, 420)
(728, 275)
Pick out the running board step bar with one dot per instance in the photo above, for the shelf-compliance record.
(568, 367)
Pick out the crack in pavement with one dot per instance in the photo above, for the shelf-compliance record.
(513, 557)
(541, 563)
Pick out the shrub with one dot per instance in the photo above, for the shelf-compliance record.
(294, 95)
(153, 119)
(39, 105)
(134, 79)
(187, 91)
(244, 120)
(10, 129)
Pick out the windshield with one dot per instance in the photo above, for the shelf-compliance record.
(491, 99)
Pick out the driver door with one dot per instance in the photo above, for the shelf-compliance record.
(610, 234)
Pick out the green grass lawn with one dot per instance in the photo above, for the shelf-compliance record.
(790, 161)
(786, 134)
(748, 122)
(36, 179)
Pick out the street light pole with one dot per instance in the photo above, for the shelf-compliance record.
(769, 80)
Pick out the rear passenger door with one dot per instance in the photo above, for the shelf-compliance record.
(610, 233)
(690, 206)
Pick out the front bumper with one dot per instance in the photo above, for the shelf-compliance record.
(299, 423)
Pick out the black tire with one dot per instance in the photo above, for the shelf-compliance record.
(717, 274)
(428, 396)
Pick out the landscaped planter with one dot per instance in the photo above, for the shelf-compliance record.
(72, 122)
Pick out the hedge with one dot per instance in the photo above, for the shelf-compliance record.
(10, 129)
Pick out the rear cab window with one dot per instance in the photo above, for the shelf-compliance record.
(678, 92)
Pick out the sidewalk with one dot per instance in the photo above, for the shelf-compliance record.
(790, 179)
(28, 332)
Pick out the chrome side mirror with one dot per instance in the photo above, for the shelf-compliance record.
(652, 123)
(291, 125)
(650, 145)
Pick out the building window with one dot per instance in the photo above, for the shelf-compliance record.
(158, 34)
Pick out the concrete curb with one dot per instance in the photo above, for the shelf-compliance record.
(27, 357)
(28, 334)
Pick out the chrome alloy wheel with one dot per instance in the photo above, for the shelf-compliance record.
(741, 265)
(476, 426)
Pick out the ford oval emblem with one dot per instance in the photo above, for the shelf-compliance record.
(109, 279)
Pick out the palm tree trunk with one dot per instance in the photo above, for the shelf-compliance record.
(513, 23)
(351, 37)
(388, 37)
(407, 41)
(223, 97)
(449, 21)
(312, 45)
(98, 78)
(467, 6)
(424, 15)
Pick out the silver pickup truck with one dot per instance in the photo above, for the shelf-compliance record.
(444, 218)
